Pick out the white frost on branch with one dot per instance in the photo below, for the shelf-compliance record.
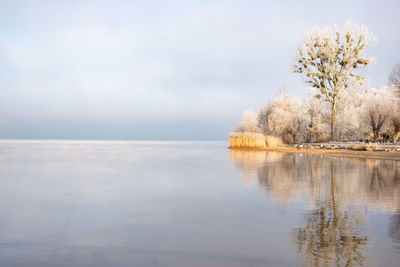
(328, 60)
(287, 117)
(249, 123)
(376, 108)
(263, 114)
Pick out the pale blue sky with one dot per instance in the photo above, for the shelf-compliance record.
(161, 69)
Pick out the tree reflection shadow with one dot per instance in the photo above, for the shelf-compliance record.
(332, 235)
(340, 192)
(394, 230)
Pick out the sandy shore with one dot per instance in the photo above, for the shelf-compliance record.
(394, 155)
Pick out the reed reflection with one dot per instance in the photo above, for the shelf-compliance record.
(340, 192)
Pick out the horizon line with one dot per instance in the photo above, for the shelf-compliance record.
(112, 140)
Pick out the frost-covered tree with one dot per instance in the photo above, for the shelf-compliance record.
(263, 113)
(348, 124)
(394, 117)
(394, 81)
(376, 108)
(287, 117)
(328, 60)
(394, 120)
(394, 78)
(249, 123)
(313, 108)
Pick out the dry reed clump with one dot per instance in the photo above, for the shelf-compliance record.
(371, 147)
(357, 147)
(252, 140)
(272, 141)
(247, 140)
(367, 147)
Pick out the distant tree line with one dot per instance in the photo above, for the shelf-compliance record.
(338, 106)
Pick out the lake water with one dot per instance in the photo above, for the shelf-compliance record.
(89, 203)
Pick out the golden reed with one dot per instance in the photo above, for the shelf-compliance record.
(253, 140)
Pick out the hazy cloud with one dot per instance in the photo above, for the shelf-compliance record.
(160, 69)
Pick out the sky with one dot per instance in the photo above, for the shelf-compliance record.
(160, 70)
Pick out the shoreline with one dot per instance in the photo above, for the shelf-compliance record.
(392, 155)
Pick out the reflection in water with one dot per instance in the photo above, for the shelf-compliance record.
(332, 234)
(287, 177)
(340, 192)
(394, 230)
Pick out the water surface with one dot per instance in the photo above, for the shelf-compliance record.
(88, 203)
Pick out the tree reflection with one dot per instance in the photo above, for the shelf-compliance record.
(394, 230)
(340, 191)
(331, 234)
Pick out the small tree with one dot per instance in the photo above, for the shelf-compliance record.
(287, 117)
(263, 113)
(313, 110)
(394, 81)
(394, 78)
(249, 123)
(348, 125)
(328, 60)
(376, 108)
(394, 119)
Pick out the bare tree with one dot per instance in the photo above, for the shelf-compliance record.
(376, 108)
(394, 120)
(287, 117)
(394, 81)
(348, 125)
(328, 61)
(313, 108)
(249, 123)
(263, 113)
(394, 78)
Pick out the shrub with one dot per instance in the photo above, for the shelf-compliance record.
(272, 141)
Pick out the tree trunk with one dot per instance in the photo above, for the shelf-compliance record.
(293, 135)
(333, 120)
(375, 133)
(396, 135)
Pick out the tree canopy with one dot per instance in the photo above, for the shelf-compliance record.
(328, 60)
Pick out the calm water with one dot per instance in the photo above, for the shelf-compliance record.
(77, 203)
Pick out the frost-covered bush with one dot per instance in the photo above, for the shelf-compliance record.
(313, 109)
(394, 121)
(249, 123)
(263, 113)
(348, 127)
(287, 117)
(394, 78)
(376, 108)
